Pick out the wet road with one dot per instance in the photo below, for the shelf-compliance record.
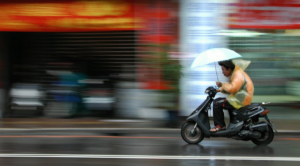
(94, 148)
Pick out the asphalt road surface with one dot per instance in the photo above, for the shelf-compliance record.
(55, 148)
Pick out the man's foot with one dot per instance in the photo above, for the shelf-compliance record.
(218, 128)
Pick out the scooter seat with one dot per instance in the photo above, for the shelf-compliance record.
(248, 107)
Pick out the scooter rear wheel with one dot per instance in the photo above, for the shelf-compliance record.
(267, 137)
(189, 137)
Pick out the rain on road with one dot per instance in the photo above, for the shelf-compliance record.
(94, 148)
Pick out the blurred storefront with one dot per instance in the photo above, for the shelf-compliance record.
(105, 46)
(267, 33)
(84, 48)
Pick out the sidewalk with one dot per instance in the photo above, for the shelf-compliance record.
(115, 126)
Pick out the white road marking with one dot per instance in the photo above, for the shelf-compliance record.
(153, 157)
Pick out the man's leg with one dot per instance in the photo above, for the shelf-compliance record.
(228, 106)
(218, 112)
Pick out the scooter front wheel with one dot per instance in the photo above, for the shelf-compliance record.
(191, 134)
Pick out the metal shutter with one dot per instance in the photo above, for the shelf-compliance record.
(98, 54)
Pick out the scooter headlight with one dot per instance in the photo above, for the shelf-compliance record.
(206, 91)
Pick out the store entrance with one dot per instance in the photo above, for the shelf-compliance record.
(67, 74)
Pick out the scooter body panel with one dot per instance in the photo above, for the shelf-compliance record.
(231, 130)
(200, 116)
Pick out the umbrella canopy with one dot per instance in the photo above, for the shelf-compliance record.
(214, 55)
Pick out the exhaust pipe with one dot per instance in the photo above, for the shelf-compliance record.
(255, 131)
(262, 127)
(250, 134)
(254, 134)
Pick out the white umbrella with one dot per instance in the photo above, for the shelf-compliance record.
(214, 55)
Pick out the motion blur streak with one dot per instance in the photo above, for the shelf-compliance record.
(93, 136)
(291, 139)
(82, 136)
(154, 157)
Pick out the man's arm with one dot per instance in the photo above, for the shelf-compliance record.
(235, 85)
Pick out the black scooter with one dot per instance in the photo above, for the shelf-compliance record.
(244, 123)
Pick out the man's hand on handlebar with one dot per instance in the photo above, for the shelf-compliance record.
(219, 84)
(218, 90)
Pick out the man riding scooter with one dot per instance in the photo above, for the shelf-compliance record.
(240, 91)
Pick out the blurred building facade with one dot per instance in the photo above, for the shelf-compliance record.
(266, 32)
(81, 54)
(88, 57)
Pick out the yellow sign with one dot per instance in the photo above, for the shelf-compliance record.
(64, 16)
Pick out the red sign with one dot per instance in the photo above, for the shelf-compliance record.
(161, 27)
(68, 15)
(161, 23)
(267, 14)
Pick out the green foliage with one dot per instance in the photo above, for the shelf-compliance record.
(157, 56)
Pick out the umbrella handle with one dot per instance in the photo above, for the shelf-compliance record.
(216, 72)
